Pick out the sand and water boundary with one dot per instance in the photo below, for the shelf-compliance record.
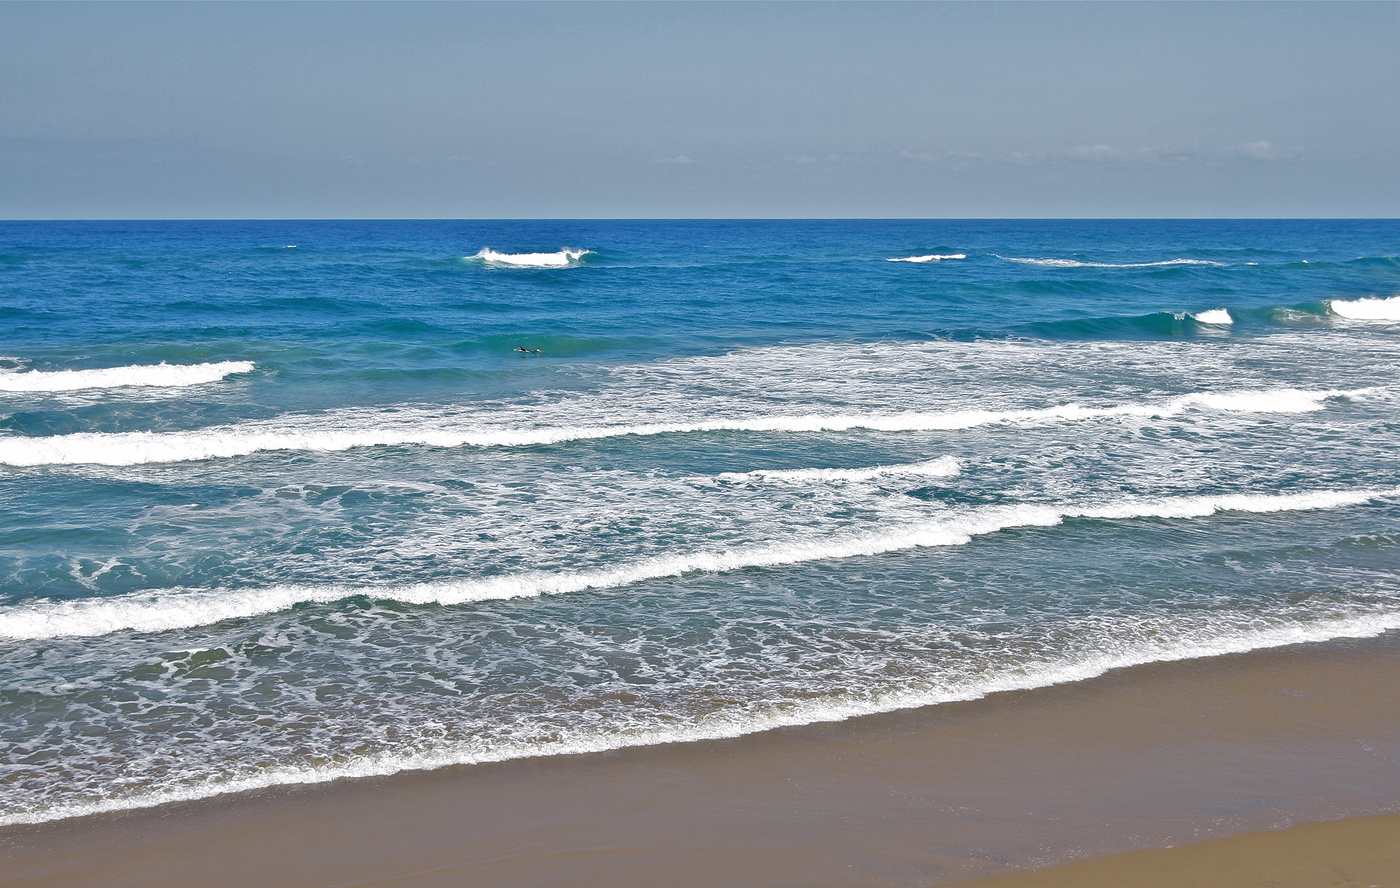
(1143, 758)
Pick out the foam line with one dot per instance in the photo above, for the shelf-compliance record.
(166, 610)
(1198, 644)
(138, 448)
(933, 257)
(150, 375)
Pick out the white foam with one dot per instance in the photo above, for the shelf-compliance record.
(1210, 641)
(943, 467)
(138, 448)
(1217, 317)
(1367, 309)
(560, 259)
(1075, 263)
(932, 257)
(149, 375)
(172, 609)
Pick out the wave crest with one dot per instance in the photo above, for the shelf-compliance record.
(146, 375)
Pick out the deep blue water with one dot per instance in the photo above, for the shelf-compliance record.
(284, 502)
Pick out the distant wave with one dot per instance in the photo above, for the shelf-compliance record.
(149, 375)
(933, 257)
(562, 259)
(1367, 309)
(943, 467)
(165, 610)
(1075, 263)
(136, 448)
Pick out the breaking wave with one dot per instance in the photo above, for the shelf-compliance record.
(165, 610)
(1367, 309)
(147, 375)
(564, 258)
(137, 448)
(933, 257)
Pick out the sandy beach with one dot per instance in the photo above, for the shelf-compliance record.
(1139, 758)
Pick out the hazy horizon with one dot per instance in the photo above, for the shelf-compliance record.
(697, 110)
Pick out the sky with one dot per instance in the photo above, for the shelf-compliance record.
(134, 110)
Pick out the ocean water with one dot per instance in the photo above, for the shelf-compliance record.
(286, 502)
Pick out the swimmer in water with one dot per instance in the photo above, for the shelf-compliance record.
(522, 349)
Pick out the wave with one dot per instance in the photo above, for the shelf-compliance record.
(934, 257)
(1367, 309)
(167, 610)
(136, 448)
(943, 467)
(1075, 263)
(148, 375)
(563, 258)
(221, 442)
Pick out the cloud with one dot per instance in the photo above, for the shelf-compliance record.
(679, 158)
(917, 157)
(1095, 153)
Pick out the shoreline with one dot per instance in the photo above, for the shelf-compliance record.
(1140, 757)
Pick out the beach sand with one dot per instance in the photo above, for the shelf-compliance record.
(1362, 852)
(1140, 758)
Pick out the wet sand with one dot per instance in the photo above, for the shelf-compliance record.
(1139, 758)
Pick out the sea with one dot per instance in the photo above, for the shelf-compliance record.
(292, 502)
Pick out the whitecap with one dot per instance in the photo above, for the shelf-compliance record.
(563, 258)
(145, 375)
(1216, 317)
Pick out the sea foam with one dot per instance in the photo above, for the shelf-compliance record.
(138, 448)
(1223, 637)
(943, 467)
(933, 257)
(563, 258)
(172, 609)
(146, 375)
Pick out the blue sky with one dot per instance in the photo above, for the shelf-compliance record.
(712, 109)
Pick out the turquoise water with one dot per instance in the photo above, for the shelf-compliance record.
(285, 501)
